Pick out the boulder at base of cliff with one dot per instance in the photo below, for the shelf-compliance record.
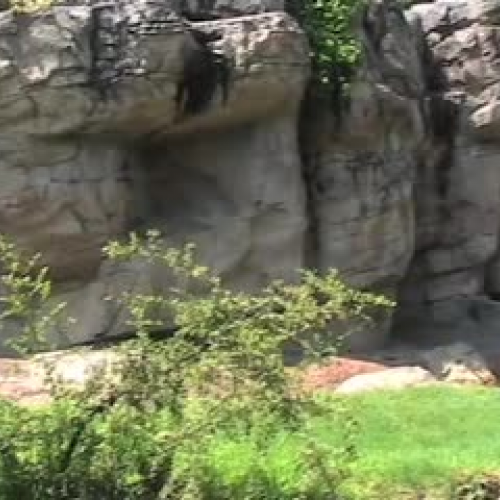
(334, 372)
(401, 377)
(29, 381)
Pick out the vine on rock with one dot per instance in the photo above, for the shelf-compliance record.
(335, 49)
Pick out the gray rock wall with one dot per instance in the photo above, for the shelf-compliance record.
(118, 117)
(452, 279)
(125, 116)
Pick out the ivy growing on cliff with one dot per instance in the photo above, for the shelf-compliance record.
(335, 49)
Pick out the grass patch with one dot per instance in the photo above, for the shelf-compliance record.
(417, 440)
(412, 440)
(426, 437)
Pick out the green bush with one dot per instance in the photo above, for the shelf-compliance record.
(25, 304)
(147, 430)
(130, 454)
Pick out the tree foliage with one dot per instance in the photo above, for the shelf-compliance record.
(145, 431)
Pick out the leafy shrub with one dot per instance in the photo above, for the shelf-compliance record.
(26, 299)
(148, 430)
(129, 454)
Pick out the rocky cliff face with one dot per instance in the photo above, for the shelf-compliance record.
(122, 116)
(452, 283)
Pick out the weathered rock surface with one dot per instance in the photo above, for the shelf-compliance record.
(123, 116)
(333, 372)
(453, 272)
(402, 377)
(102, 132)
(31, 381)
(361, 164)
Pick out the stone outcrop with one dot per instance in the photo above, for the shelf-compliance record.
(453, 276)
(405, 189)
(361, 164)
(121, 116)
(195, 118)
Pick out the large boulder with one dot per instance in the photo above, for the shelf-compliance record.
(402, 377)
(32, 381)
(335, 371)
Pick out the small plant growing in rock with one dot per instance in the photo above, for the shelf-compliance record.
(335, 49)
(147, 431)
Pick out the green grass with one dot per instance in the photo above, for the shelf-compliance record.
(407, 441)
(420, 439)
